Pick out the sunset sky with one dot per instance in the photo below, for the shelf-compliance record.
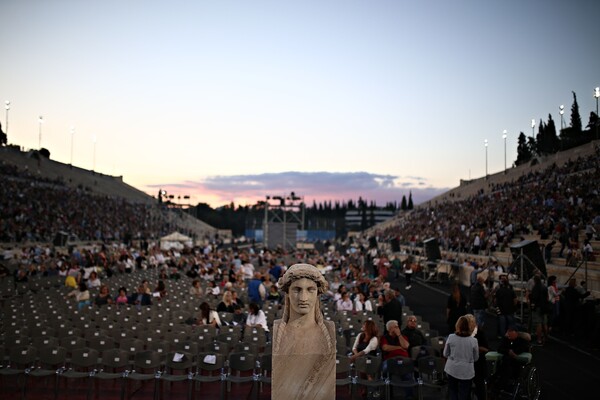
(235, 100)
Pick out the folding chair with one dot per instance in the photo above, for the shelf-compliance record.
(257, 336)
(242, 369)
(41, 342)
(131, 346)
(82, 366)
(438, 343)
(187, 347)
(432, 377)
(102, 344)
(114, 367)
(219, 347)
(51, 362)
(368, 374)
(401, 373)
(146, 366)
(72, 343)
(21, 361)
(210, 368)
(161, 347)
(244, 347)
(265, 369)
(343, 372)
(178, 368)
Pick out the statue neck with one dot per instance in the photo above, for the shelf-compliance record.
(301, 320)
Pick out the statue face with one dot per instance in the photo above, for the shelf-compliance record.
(303, 296)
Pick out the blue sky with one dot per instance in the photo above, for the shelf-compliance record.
(231, 101)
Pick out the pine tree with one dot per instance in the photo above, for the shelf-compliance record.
(523, 151)
(541, 137)
(403, 205)
(410, 201)
(575, 117)
(553, 142)
(3, 136)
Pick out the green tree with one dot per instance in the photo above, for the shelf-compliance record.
(523, 150)
(410, 201)
(553, 142)
(592, 125)
(3, 137)
(575, 117)
(403, 205)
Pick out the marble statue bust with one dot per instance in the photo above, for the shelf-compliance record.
(303, 342)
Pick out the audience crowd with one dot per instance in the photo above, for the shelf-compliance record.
(558, 203)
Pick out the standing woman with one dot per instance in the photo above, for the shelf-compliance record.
(461, 351)
(456, 307)
(408, 271)
(554, 298)
(481, 363)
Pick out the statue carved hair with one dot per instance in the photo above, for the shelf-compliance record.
(295, 273)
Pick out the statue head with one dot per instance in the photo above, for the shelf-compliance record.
(302, 285)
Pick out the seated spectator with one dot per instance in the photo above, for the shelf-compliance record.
(93, 281)
(362, 303)
(344, 304)
(81, 295)
(103, 297)
(257, 318)
(213, 289)
(122, 297)
(393, 343)
(236, 299)
(141, 298)
(274, 294)
(239, 317)
(208, 316)
(226, 305)
(366, 341)
(512, 344)
(196, 289)
(70, 281)
(414, 335)
(160, 291)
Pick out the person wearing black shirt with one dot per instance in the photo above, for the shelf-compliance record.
(511, 346)
(389, 307)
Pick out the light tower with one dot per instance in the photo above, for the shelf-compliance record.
(41, 121)
(485, 143)
(504, 136)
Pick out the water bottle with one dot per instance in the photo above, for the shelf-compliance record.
(435, 376)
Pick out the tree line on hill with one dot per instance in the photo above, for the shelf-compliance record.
(548, 142)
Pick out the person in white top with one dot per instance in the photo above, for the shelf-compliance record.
(256, 317)
(366, 341)
(248, 271)
(208, 316)
(93, 281)
(361, 303)
(345, 304)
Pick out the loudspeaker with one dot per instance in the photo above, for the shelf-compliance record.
(395, 243)
(432, 249)
(372, 242)
(60, 239)
(528, 252)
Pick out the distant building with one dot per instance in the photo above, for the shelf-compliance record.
(363, 219)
